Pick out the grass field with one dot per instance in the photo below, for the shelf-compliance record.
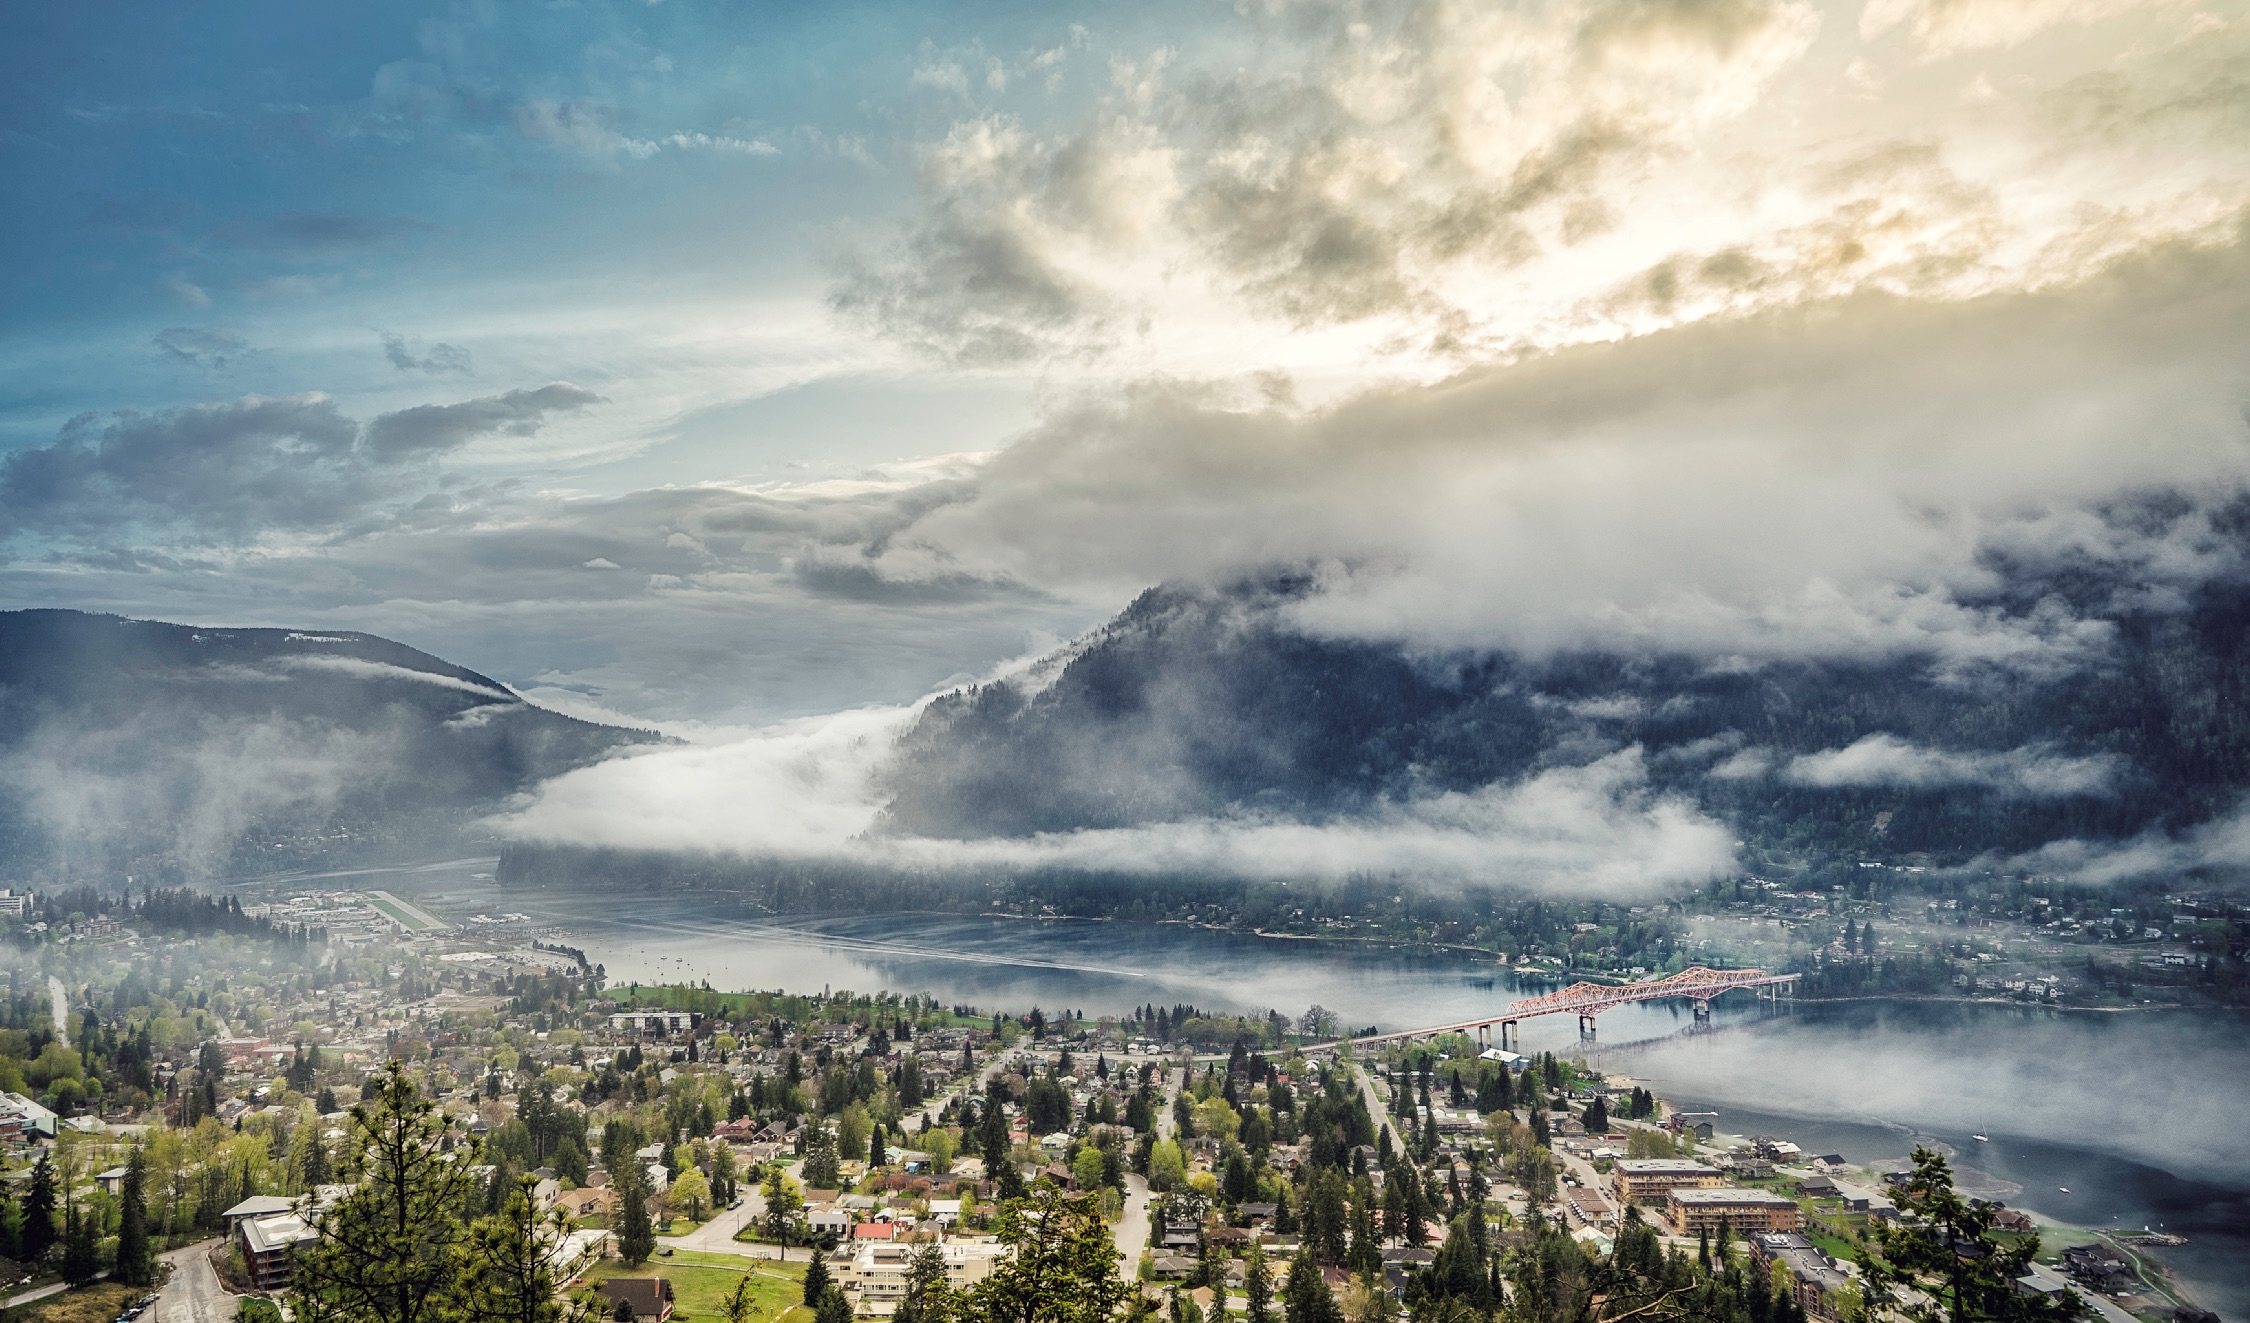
(98, 1303)
(701, 1282)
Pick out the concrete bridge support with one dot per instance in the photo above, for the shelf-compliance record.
(1586, 1028)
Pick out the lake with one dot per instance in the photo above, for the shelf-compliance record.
(2098, 1119)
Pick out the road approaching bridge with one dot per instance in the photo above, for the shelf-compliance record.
(1587, 1000)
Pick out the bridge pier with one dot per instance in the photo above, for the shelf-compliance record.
(1702, 1011)
(1511, 1034)
(1586, 1028)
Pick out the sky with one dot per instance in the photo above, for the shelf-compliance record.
(728, 366)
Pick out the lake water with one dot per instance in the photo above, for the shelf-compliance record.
(2129, 1119)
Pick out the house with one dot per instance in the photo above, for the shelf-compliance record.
(587, 1202)
(576, 1252)
(869, 1231)
(111, 1181)
(945, 1212)
(648, 1297)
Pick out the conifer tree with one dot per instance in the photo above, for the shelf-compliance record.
(81, 1260)
(636, 1235)
(385, 1253)
(1305, 1298)
(816, 1280)
(503, 1272)
(136, 1265)
(38, 1234)
(1257, 1286)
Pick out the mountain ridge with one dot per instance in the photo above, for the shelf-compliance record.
(180, 751)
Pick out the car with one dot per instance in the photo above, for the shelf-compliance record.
(664, 1253)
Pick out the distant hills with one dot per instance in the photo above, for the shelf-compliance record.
(1201, 701)
(170, 751)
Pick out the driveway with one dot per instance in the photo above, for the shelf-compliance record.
(193, 1294)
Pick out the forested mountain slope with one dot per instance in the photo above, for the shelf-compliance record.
(1198, 702)
(135, 746)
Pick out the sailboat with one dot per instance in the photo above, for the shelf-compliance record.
(1981, 1139)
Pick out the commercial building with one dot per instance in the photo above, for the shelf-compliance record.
(653, 1023)
(1699, 1210)
(876, 1274)
(269, 1242)
(1648, 1180)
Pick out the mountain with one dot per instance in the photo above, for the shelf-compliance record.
(169, 751)
(1207, 701)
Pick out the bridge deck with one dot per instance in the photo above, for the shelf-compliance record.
(1590, 999)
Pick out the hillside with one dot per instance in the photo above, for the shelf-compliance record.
(1199, 701)
(162, 750)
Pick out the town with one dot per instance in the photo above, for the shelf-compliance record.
(191, 1089)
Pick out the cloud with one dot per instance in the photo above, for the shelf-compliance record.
(202, 346)
(315, 234)
(1824, 480)
(1885, 760)
(588, 129)
(810, 789)
(1947, 27)
(441, 357)
(1429, 184)
(428, 429)
(232, 471)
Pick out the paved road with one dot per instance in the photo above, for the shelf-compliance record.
(1130, 1235)
(61, 999)
(36, 1293)
(193, 1293)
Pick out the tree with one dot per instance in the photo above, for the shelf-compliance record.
(782, 1204)
(39, 1210)
(1305, 1297)
(741, 1302)
(136, 1263)
(691, 1194)
(832, 1307)
(816, 1280)
(1064, 1269)
(1167, 1167)
(820, 1165)
(382, 1252)
(1257, 1286)
(81, 1259)
(1943, 1248)
(1597, 1117)
(503, 1273)
(636, 1234)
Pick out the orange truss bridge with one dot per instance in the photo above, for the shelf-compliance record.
(1588, 1000)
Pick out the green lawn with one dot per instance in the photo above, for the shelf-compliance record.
(701, 1282)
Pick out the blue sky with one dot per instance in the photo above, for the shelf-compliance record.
(720, 364)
